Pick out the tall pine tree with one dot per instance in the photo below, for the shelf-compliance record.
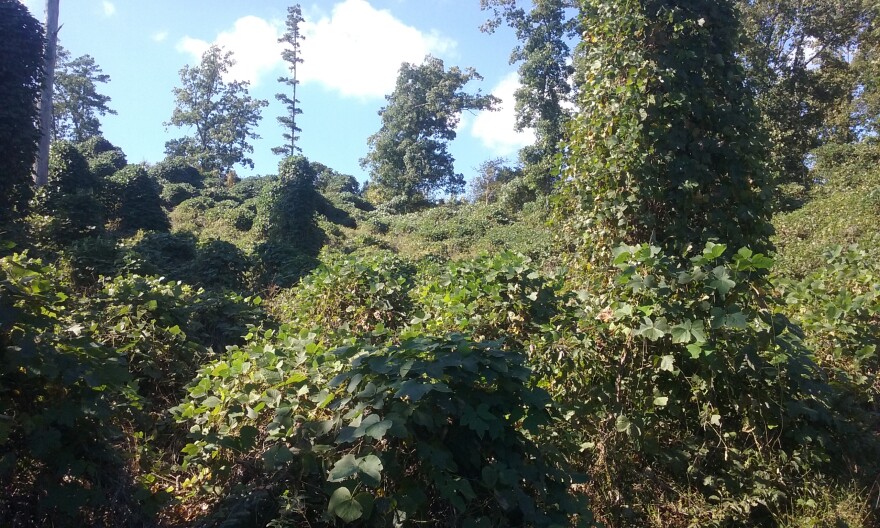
(293, 37)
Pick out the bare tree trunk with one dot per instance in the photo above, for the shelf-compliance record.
(41, 167)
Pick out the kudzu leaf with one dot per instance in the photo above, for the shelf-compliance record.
(343, 505)
(378, 429)
(343, 468)
(370, 469)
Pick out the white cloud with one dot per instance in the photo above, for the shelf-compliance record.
(496, 130)
(355, 50)
(358, 49)
(109, 8)
(253, 42)
(160, 36)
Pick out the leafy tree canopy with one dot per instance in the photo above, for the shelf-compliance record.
(545, 70)
(221, 113)
(799, 59)
(408, 155)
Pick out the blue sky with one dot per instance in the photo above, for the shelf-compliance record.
(351, 54)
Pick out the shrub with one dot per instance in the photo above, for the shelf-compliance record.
(173, 194)
(690, 370)
(67, 208)
(842, 209)
(134, 202)
(432, 431)
(103, 157)
(62, 395)
(838, 307)
(357, 293)
(492, 297)
(176, 170)
(219, 264)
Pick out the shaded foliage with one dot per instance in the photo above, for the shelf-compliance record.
(21, 75)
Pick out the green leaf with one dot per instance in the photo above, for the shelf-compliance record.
(722, 283)
(377, 430)
(413, 390)
(247, 437)
(667, 363)
(653, 330)
(370, 468)
(661, 401)
(471, 418)
(277, 456)
(343, 505)
(343, 468)
(622, 423)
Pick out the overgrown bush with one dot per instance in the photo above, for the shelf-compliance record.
(173, 194)
(430, 431)
(504, 296)
(686, 376)
(838, 307)
(176, 170)
(843, 208)
(67, 208)
(350, 292)
(133, 201)
(103, 157)
(62, 394)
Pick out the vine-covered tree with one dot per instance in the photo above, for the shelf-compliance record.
(545, 71)
(491, 176)
(21, 75)
(76, 102)
(221, 113)
(664, 148)
(408, 156)
(293, 38)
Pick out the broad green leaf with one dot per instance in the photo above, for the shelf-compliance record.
(661, 401)
(722, 282)
(653, 330)
(413, 390)
(343, 468)
(377, 430)
(667, 363)
(277, 456)
(343, 505)
(370, 468)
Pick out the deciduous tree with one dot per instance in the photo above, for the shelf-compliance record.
(221, 113)
(409, 156)
(545, 71)
(798, 55)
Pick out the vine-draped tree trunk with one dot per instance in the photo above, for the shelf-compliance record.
(41, 167)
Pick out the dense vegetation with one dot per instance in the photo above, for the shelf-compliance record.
(634, 326)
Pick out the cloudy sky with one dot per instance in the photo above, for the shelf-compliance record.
(352, 53)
